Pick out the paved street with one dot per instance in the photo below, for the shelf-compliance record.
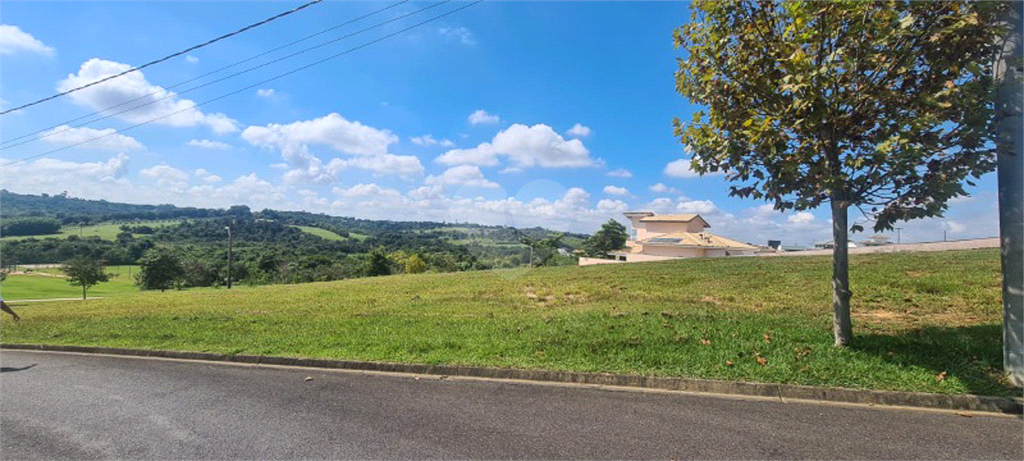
(84, 407)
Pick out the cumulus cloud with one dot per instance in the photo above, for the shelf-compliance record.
(368, 144)
(680, 169)
(265, 92)
(191, 59)
(620, 173)
(524, 146)
(703, 207)
(662, 188)
(801, 217)
(612, 206)
(14, 40)
(461, 34)
(331, 130)
(615, 190)
(166, 176)
(206, 176)
(465, 175)
(148, 101)
(481, 116)
(428, 140)
(107, 139)
(579, 131)
(208, 144)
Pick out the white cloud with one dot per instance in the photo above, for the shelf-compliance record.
(191, 59)
(481, 116)
(101, 139)
(460, 33)
(52, 175)
(14, 40)
(428, 140)
(620, 173)
(579, 131)
(680, 169)
(148, 101)
(206, 176)
(703, 207)
(524, 146)
(265, 92)
(662, 188)
(615, 190)
(331, 130)
(801, 217)
(464, 175)
(612, 206)
(208, 144)
(166, 176)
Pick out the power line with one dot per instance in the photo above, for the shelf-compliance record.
(158, 61)
(7, 144)
(249, 87)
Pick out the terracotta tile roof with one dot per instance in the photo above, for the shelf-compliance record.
(693, 239)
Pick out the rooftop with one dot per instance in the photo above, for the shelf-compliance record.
(696, 239)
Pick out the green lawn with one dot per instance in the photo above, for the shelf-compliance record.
(917, 318)
(42, 285)
(103, 231)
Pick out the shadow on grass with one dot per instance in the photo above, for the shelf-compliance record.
(971, 354)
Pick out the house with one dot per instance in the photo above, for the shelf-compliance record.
(657, 237)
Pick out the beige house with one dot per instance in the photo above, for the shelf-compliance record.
(658, 237)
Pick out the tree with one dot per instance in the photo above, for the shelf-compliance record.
(881, 106)
(611, 237)
(415, 265)
(159, 269)
(378, 264)
(85, 272)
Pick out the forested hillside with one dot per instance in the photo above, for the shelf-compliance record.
(268, 246)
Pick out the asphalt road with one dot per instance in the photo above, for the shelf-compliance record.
(55, 405)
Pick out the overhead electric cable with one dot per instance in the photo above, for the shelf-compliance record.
(171, 95)
(249, 87)
(173, 55)
(250, 58)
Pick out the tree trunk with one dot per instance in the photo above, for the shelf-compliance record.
(841, 275)
(83, 291)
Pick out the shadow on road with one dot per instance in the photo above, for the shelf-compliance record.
(12, 369)
(971, 354)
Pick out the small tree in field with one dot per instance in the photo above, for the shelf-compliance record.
(611, 237)
(159, 269)
(881, 106)
(85, 272)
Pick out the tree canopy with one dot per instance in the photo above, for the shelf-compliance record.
(881, 106)
(85, 272)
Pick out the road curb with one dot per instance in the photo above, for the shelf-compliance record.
(782, 391)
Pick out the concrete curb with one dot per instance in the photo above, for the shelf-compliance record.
(782, 391)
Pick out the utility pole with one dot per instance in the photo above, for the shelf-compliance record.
(1009, 79)
(229, 255)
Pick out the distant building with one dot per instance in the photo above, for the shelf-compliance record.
(828, 245)
(876, 240)
(658, 237)
(775, 244)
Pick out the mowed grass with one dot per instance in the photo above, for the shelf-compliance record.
(923, 322)
(103, 231)
(322, 233)
(44, 285)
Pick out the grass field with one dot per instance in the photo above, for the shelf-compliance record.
(103, 231)
(43, 284)
(922, 322)
(326, 234)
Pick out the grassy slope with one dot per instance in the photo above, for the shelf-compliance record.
(916, 315)
(41, 286)
(322, 233)
(103, 231)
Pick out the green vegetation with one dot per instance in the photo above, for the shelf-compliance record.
(920, 317)
(106, 231)
(322, 233)
(41, 285)
(84, 272)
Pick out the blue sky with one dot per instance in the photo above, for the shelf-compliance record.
(520, 113)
